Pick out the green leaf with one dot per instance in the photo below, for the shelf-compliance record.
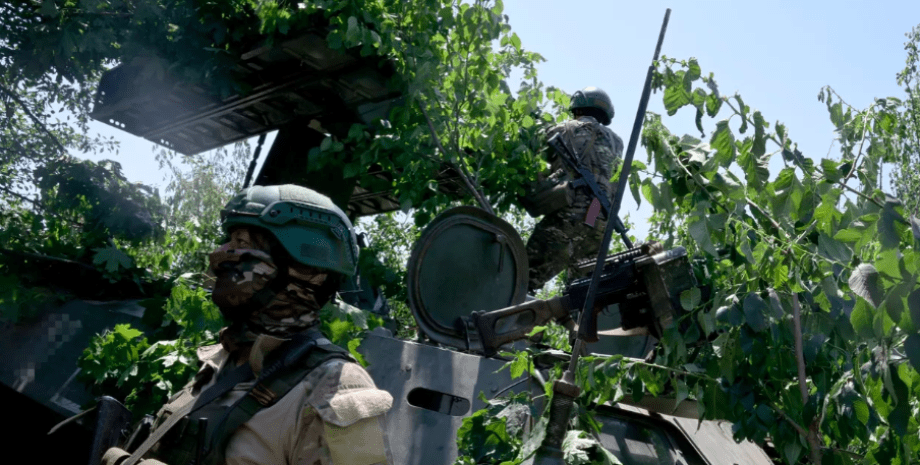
(516, 41)
(353, 350)
(690, 298)
(781, 132)
(864, 281)
(861, 319)
(836, 114)
(913, 305)
(699, 121)
(675, 97)
(833, 250)
(353, 32)
(326, 144)
(754, 312)
(760, 142)
(700, 233)
(861, 409)
(713, 105)
(681, 392)
(848, 235)
(481, 436)
(352, 169)
(831, 171)
(765, 414)
(755, 168)
(126, 332)
(576, 447)
(723, 141)
(912, 349)
(792, 450)
(743, 109)
(693, 69)
(112, 258)
(886, 224)
(728, 356)
(634, 188)
(649, 191)
(535, 438)
(519, 365)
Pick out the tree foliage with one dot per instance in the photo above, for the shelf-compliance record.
(809, 338)
(905, 176)
(453, 58)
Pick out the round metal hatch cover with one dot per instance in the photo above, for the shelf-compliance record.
(465, 260)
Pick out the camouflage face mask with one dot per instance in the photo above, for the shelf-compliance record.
(247, 292)
(241, 274)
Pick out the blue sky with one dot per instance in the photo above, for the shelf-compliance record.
(777, 55)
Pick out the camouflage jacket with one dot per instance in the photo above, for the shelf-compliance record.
(596, 146)
(334, 416)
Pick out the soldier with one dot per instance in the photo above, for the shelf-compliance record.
(274, 391)
(561, 238)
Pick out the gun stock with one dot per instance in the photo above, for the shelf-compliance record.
(536, 312)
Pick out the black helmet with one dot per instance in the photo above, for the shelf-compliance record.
(592, 97)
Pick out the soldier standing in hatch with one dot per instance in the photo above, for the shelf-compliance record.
(561, 238)
(287, 251)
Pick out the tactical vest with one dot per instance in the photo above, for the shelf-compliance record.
(553, 194)
(203, 442)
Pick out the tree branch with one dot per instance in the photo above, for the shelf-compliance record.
(797, 427)
(38, 122)
(864, 196)
(22, 197)
(767, 216)
(814, 442)
(799, 350)
(466, 180)
(858, 152)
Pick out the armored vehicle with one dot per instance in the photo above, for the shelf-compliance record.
(436, 381)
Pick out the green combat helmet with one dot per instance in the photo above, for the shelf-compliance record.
(592, 97)
(311, 228)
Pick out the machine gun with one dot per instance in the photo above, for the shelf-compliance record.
(645, 284)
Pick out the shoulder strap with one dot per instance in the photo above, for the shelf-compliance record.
(285, 357)
(276, 382)
(240, 374)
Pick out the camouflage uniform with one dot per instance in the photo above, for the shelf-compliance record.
(561, 239)
(334, 416)
(331, 413)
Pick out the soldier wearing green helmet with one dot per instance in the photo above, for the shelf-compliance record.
(274, 390)
(563, 238)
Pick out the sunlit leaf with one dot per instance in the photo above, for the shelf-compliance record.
(723, 142)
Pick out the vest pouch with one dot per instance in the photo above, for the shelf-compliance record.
(546, 197)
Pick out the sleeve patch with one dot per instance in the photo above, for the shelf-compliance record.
(361, 443)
